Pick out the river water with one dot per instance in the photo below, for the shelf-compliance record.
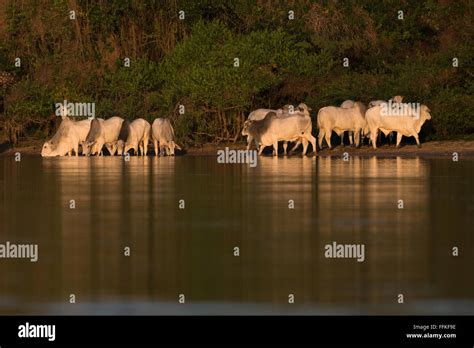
(182, 219)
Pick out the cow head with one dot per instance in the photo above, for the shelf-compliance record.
(172, 146)
(304, 108)
(397, 99)
(47, 149)
(87, 147)
(425, 112)
(247, 125)
(54, 148)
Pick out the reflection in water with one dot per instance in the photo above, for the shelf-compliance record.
(359, 204)
(120, 205)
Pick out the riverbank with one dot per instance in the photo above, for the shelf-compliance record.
(446, 148)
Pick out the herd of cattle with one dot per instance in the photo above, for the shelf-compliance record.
(119, 136)
(265, 127)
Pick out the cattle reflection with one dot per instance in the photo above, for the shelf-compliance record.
(108, 208)
(184, 218)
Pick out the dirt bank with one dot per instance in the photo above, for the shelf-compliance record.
(429, 149)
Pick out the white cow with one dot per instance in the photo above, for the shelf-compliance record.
(260, 114)
(137, 138)
(347, 104)
(67, 138)
(103, 132)
(163, 137)
(397, 100)
(287, 110)
(272, 129)
(408, 124)
(337, 119)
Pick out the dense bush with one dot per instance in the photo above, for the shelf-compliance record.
(191, 62)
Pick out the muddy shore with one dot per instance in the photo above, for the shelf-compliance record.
(464, 148)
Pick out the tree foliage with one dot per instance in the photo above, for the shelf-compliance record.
(226, 58)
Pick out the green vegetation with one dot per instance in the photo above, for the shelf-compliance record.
(191, 61)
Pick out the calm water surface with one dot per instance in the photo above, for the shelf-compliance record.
(191, 251)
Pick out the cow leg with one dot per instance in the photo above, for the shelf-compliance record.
(342, 139)
(373, 138)
(305, 147)
(356, 135)
(328, 137)
(100, 145)
(249, 141)
(417, 140)
(320, 138)
(112, 149)
(351, 137)
(285, 146)
(313, 143)
(297, 145)
(145, 145)
(155, 145)
(293, 149)
(275, 148)
(399, 139)
(76, 149)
